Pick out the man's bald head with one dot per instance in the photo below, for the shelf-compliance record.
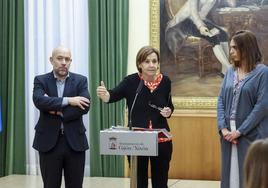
(61, 49)
(61, 60)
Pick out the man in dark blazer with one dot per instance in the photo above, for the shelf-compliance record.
(62, 98)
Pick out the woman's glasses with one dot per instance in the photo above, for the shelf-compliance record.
(157, 107)
(154, 106)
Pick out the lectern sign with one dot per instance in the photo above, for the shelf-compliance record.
(126, 142)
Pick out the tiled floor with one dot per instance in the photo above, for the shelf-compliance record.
(21, 181)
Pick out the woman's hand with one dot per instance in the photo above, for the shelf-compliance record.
(234, 135)
(103, 93)
(166, 112)
(230, 136)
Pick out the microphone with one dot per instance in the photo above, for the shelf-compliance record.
(139, 87)
(138, 90)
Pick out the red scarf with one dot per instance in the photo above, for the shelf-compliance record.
(154, 84)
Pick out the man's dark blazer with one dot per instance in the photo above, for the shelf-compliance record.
(45, 98)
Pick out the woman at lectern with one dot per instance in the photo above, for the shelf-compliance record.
(242, 106)
(149, 103)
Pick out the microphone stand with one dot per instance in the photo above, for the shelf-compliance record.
(133, 159)
(131, 110)
(133, 104)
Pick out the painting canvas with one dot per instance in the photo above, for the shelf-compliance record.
(193, 42)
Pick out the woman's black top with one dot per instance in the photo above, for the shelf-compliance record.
(142, 112)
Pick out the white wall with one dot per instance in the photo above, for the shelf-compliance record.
(139, 30)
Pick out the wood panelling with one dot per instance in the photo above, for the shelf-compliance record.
(196, 150)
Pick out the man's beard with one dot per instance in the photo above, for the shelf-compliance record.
(61, 73)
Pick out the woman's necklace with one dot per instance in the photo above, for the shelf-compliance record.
(241, 74)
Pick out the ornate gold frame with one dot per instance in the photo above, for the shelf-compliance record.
(183, 105)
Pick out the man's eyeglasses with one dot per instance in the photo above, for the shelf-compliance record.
(154, 106)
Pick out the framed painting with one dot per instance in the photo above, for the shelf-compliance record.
(193, 37)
